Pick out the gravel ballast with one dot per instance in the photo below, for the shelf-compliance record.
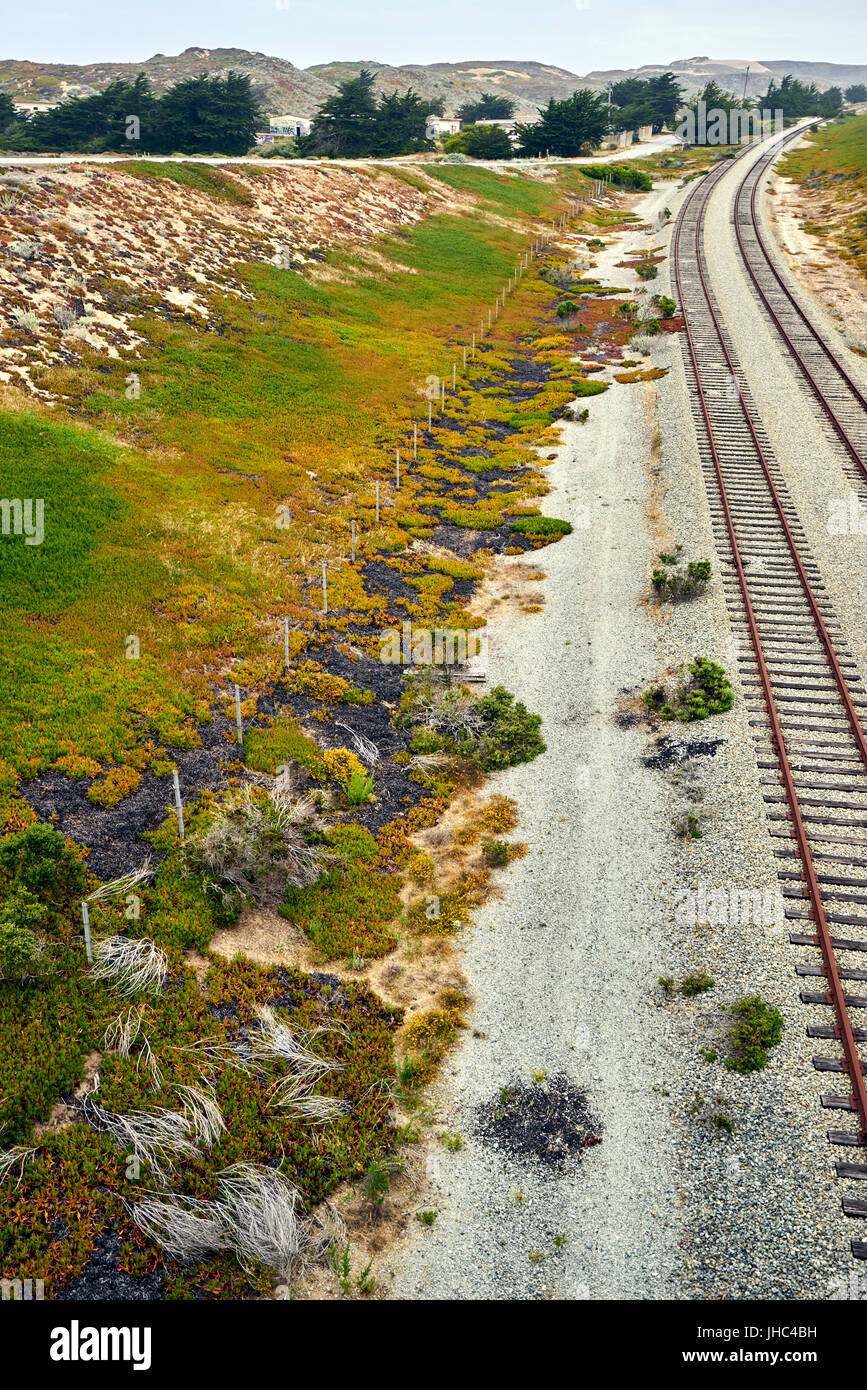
(667, 1201)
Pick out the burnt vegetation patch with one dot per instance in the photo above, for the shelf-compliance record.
(549, 1121)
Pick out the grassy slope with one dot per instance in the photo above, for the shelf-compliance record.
(161, 536)
(313, 377)
(832, 167)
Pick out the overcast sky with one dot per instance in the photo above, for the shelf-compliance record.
(576, 34)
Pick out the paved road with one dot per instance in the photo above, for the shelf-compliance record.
(652, 147)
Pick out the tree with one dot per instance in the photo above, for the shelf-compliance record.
(857, 92)
(7, 110)
(796, 99)
(201, 115)
(489, 107)
(401, 125)
(352, 125)
(207, 115)
(345, 124)
(481, 142)
(652, 101)
(566, 127)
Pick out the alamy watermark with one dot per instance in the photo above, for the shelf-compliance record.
(424, 646)
(847, 516)
(23, 517)
(723, 907)
(22, 1290)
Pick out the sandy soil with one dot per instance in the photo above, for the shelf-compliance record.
(835, 283)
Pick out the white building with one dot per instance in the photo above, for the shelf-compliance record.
(507, 126)
(287, 126)
(438, 127)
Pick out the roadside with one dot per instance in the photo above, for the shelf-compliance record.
(560, 968)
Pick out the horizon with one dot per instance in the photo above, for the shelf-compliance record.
(614, 36)
(368, 61)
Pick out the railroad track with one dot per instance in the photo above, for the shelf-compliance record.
(841, 403)
(805, 699)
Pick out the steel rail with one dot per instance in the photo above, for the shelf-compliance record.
(839, 429)
(836, 994)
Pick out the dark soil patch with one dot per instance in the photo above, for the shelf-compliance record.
(674, 752)
(113, 834)
(551, 1121)
(102, 1278)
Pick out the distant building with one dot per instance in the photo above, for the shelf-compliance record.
(620, 141)
(438, 127)
(288, 126)
(507, 126)
(30, 108)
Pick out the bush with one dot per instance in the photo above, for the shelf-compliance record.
(646, 270)
(675, 584)
(665, 305)
(493, 732)
(759, 1027)
(497, 853)
(567, 309)
(255, 844)
(41, 860)
(480, 142)
(623, 175)
(359, 788)
(541, 525)
(21, 917)
(341, 765)
(511, 733)
(696, 984)
(707, 692)
(281, 149)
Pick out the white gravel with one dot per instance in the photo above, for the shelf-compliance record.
(564, 968)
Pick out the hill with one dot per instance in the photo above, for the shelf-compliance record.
(284, 88)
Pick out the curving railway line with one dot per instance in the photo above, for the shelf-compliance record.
(805, 698)
(841, 402)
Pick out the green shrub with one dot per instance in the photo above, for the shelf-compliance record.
(359, 789)
(567, 309)
(480, 142)
(625, 175)
(687, 827)
(708, 692)
(674, 584)
(696, 984)
(22, 916)
(427, 741)
(665, 305)
(759, 1027)
(541, 525)
(646, 270)
(511, 732)
(497, 853)
(39, 859)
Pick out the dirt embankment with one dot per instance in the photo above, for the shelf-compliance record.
(84, 252)
(811, 229)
